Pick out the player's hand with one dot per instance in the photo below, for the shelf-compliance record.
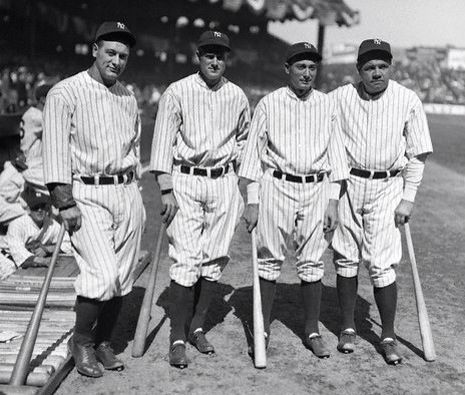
(41, 262)
(72, 218)
(251, 216)
(169, 207)
(331, 219)
(403, 212)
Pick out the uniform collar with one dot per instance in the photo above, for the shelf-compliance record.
(293, 96)
(202, 83)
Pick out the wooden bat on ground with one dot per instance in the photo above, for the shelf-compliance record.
(140, 336)
(425, 329)
(21, 368)
(258, 328)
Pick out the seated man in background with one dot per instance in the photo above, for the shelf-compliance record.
(31, 238)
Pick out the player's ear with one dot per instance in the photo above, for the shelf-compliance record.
(286, 67)
(94, 49)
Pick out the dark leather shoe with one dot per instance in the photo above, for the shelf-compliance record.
(106, 356)
(177, 355)
(84, 359)
(390, 351)
(346, 343)
(317, 346)
(199, 340)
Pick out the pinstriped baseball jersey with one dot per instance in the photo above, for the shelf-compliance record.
(24, 230)
(198, 126)
(92, 130)
(201, 127)
(294, 136)
(298, 137)
(382, 134)
(89, 129)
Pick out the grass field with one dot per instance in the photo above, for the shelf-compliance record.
(438, 230)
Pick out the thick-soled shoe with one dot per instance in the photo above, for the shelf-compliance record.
(317, 346)
(178, 356)
(199, 340)
(106, 356)
(346, 343)
(390, 352)
(85, 360)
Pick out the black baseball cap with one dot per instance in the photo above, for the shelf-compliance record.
(113, 30)
(214, 38)
(35, 199)
(374, 48)
(302, 50)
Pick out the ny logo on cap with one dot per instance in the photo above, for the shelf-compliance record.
(120, 25)
(307, 45)
(377, 41)
(217, 34)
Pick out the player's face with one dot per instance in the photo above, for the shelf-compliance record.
(111, 58)
(38, 214)
(212, 64)
(301, 75)
(375, 75)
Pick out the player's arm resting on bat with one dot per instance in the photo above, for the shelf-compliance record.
(250, 170)
(62, 198)
(337, 159)
(168, 200)
(413, 174)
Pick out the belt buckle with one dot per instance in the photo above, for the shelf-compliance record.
(209, 172)
(372, 173)
(96, 179)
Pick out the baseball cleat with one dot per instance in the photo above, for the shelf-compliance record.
(84, 359)
(390, 352)
(106, 356)
(200, 342)
(346, 343)
(177, 355)
(317, 346)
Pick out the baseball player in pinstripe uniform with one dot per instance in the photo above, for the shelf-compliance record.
(387, 140)
(294, 162)
(201, 127)
(91, 162)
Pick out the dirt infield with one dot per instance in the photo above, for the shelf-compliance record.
(438, 231)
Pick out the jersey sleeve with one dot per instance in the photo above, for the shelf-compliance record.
(16, 239)
(337, 155)
(251, 163)
(417, 132)
(167, 125)
(242, 127)
(56, 147)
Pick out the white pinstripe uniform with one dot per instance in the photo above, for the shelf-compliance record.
(92, 130)
(297, 137)
(23, 231)
(31, 146)
(379, 135)
(201, 127)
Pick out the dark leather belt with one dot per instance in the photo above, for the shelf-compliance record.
(212, 172)
(374, 175)
(109, 180)
(302, 179)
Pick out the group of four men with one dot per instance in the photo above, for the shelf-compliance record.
(344, 166)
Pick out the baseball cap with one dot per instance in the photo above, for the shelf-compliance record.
(304, 50)
(211, 37)
(34, 199)
(373, 48)
(115, 29)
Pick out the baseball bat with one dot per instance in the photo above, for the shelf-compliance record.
(21, 368)
(258, 328)
(425, 329)
(140, 336)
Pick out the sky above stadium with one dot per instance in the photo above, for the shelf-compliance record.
(403, 23)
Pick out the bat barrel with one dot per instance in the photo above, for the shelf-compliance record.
(21, 368)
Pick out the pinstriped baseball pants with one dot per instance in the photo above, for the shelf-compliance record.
(367, 232)
(108, 244)
(201, 231)
(291, 210)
